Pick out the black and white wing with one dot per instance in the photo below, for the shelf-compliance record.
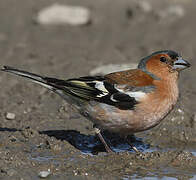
(98, 88)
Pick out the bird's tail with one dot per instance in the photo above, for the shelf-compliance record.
(31, 76)
(56, 85)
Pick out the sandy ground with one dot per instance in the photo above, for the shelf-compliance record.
(47, 135)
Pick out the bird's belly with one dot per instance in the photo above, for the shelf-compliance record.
(110, 118)
(125, 121)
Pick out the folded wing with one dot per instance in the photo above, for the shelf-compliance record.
(122, 89)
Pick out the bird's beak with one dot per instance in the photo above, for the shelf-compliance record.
(181, 64)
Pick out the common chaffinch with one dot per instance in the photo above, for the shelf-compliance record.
(123, 102)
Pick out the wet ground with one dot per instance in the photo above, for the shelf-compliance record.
(47, 135)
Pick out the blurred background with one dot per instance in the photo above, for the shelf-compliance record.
(72, 38)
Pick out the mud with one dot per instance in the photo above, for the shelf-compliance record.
(46, 134)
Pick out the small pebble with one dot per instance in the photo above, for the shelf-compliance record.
(44, 174)
(58, 14)
(181, 111)
(10, 116)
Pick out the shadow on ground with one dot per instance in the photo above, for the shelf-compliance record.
(91, 144)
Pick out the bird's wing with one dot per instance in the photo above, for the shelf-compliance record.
(121, 89)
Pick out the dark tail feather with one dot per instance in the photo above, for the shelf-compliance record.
(31, 76)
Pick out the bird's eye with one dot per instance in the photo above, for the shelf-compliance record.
(163, 59)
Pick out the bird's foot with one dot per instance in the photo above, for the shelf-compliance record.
(98, 133)
(133, 147)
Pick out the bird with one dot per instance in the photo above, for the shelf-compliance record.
(123, 102)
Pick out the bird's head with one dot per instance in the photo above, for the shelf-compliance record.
(162, 63)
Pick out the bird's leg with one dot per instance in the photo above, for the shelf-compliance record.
(130, 144)
(98, 133)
